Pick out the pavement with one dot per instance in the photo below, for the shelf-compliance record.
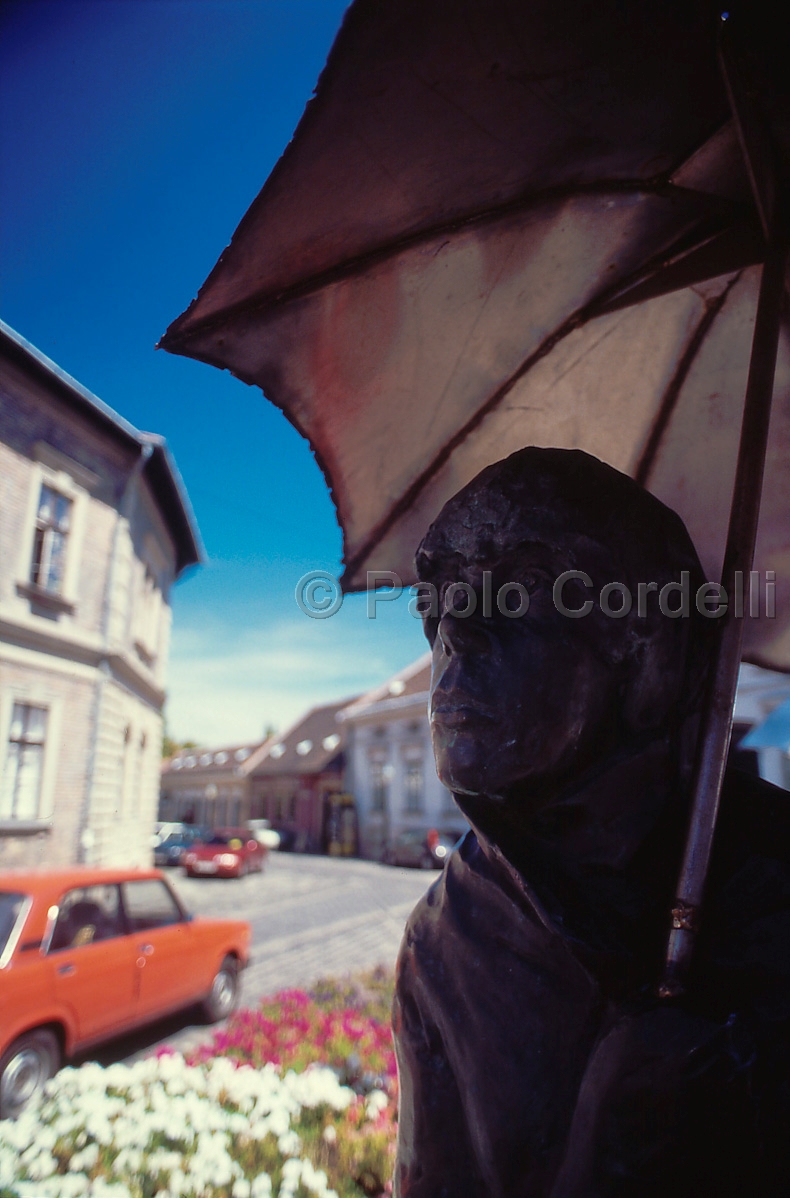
(311, 917)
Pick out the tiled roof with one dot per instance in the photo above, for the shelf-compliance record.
(306, 748)
(413, 681)
(227, 759)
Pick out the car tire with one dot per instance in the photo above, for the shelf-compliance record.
(224, 993)
(426, 861)
(25, 1067)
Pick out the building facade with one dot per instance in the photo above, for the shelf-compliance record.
(760, 737)
(209, 786)
(94, 529)
(391, 771)
(299, 778)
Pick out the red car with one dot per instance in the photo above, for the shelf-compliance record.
(228, 853)
(88, 954)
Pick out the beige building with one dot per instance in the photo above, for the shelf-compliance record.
(209, 786)
(95, 526)
(390, 770)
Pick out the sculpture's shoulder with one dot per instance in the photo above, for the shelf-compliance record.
(752, 841)
(755, 815)
(444, 901)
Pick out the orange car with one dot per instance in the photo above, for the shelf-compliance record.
(87, 954)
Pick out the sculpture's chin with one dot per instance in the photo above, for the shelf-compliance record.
(463, 761)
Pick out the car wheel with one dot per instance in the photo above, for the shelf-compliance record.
(24, 1068)
(426, 861)
(224, 991)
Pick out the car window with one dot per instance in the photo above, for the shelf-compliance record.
(87, 915)
(10, 906)
(149, 904)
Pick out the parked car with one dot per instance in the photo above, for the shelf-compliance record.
(425, 848)
(163, 830)
(263, 831)
(87, 954)
(287, 837)
(226, 853)
(170, 850)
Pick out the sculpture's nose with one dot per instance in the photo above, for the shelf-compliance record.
(460, 634)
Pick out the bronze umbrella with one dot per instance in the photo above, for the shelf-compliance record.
(502, 224)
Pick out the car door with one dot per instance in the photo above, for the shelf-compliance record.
(168, 973)
(92, 962)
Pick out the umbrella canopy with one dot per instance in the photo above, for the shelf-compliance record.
(502, 224)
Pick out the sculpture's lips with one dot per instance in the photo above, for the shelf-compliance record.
(456, 714)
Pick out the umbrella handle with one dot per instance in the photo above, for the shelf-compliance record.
(741, 536)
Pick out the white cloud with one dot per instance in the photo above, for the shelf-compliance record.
(227, 683)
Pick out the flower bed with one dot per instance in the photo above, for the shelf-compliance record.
(295, 1099)
(341, 1024)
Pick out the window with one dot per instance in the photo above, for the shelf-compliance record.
(379, 778)
(20, 787)
(49, 542)
(413, 784)
(87, 915)
(149, 904)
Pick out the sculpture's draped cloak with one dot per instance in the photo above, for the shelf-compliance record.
(533, 1057)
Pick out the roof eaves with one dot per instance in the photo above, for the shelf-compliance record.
(87, 398)
(382, 692)
(419, 699)
(167, 483)
(172, 497)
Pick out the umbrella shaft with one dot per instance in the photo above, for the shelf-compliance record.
(739, 554)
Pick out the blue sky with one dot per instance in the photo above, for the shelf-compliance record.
(134, 134)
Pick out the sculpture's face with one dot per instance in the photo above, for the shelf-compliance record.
(518, 701)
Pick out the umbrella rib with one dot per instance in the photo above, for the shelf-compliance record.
(181, 331)
(671, 395)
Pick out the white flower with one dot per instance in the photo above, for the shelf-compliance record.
(377, 1101)
(199, 1117)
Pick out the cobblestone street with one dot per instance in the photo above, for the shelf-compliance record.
(311, 916)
